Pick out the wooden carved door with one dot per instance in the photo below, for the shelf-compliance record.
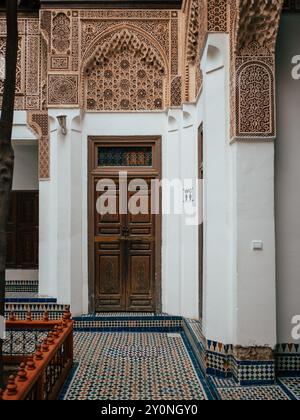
(23, 230)
(125, 244)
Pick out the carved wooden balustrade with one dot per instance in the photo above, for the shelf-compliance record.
(44, 352)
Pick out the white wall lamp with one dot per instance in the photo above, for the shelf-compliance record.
(62, 121)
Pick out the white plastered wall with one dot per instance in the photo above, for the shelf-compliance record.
(64, 234)
(218, 240)
(287, 178)
(239, 283)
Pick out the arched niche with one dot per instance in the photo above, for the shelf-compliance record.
(124, 71)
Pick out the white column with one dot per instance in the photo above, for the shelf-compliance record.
(254, 281)
(239, 283)
(189, 227)
(218, 288)
(59, 259)
(47, 282)
(171, 229)
(77, 301)
(48, 223)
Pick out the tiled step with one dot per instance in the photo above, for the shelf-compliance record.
(37, 309)
(22, 286)
(117, 322)
(25, 297)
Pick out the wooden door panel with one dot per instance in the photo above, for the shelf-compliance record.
(109, 285)
(140, 274)
(109, 261)
(141, 258)
(11, 229)
(26, 249)
(141, 277)
(23, 230)
(124, 248)
(11, 255)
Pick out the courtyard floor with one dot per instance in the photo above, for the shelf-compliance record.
(153, 366)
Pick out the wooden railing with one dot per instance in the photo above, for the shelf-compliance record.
(42, 374)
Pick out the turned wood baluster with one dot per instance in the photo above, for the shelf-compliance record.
(29, 315)
(22, 374)
(11, 388)
(12, 316)
(55, 332)
(67, 314)
(45, 347)
(30, 363)
(46, 315)
(50, 338)
(38, 353)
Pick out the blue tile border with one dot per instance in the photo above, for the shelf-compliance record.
(129, 329)
(30, 300)
(68, 382)
(127, 318)
(207, 389)
(287, 391)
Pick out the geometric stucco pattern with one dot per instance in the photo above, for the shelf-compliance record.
(202, 17)
(252, 58)
(28, 81)
(115, 60)
(125, 73)
(147, 59)
(39, 123)
(253, 67)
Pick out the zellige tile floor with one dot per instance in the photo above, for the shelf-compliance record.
(153, 366)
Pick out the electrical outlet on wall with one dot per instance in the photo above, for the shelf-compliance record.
(257, 245)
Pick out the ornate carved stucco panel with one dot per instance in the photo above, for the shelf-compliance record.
(39, 123)
(71, 35)
(253, 38)
(125, 72)
(28, 82)
(202, 17)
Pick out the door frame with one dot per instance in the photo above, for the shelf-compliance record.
(156, 171)
(200, 143)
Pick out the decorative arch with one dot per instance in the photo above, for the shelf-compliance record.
(121, 41)
(124, 70)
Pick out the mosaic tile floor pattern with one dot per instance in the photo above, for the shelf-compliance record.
(153, 366)
(260, 393)
(292, 385)
(134, 366)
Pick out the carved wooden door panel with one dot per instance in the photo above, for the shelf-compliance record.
(27, 229)
(124, 246)
(109, 258)
(140, 256)
(124, 258)
(23, 230)
(11, 247)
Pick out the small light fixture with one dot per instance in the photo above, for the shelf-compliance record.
(62, 121)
